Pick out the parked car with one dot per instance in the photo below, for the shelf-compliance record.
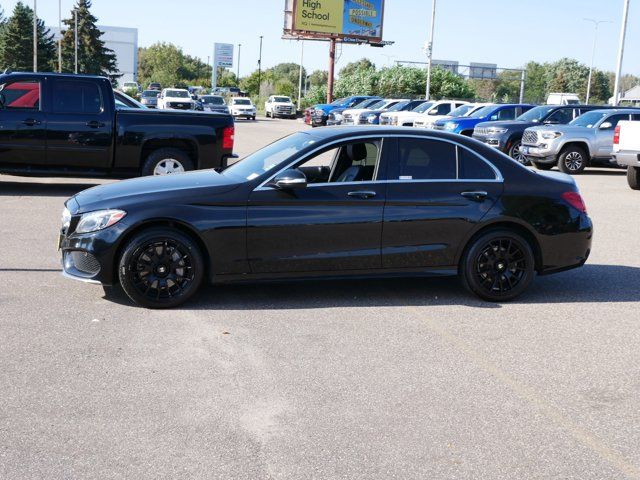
(427, 109)
(563, 99)
(358, 116)
(175, 99)
(335, 116)
(586, 141)
(131, 86)
(506, 135)
(213, 103)
(280, 106)
(346, 202)
(429, 121)
(465, 125)
(626, 150)
(77, 130)
(154, 86)
(316, 116)
(242, 107)
(403, 106)
(149, 98)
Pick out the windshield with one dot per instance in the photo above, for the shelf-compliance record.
(177, 93)
(378, 104)
(212, 100)
(423, 107)
(398, 107)
(483, 112)
(366, 103)
(536, 114)
(260, 162)
(589, 119)
(461, 111)
(242, 101)
(150, 93)
(340, 101)
(281, 99)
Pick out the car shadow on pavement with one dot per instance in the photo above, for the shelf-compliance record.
(589, 284)
(36, 189)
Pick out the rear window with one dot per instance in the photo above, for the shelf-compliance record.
(76, 97)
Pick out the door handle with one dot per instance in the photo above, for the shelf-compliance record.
(31, 122)
(476, 196)
(94, 124)
(362, 194)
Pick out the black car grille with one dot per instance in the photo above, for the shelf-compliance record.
(530, 137)
(179, 106)
(284, 110)
(438, 127)
(83, 262)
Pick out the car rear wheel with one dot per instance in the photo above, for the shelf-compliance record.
(572, 160)
(543, 166)
(161, 268)
(516, 154)
(498, 266)
(167, 161)
(633, 177)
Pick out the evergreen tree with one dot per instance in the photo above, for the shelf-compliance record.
(16, 42)
(93, 57)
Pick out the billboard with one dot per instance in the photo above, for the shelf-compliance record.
(223, 55)
(357, 19)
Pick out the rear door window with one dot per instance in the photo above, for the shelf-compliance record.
(473, 167)
(21, 95)
(76, 97)
(420, 159)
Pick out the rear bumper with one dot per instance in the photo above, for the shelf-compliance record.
(626, 158)
(565, 251)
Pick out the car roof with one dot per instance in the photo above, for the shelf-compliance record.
(52, 74)
(617, 110)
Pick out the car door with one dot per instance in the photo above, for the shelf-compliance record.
(22, 123)
(333, 224)
(604, 136)
(79, 125)
(437, 191)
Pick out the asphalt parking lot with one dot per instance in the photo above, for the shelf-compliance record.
(406, 379)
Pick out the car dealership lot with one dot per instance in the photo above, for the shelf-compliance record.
(409, 378)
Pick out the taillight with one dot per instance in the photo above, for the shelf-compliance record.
(616, 135)
(228, 137)
(575, 200)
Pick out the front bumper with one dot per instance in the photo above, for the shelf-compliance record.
(626, 158)
(540, 153)
(244, 114)
(492, 141)
(318, 120)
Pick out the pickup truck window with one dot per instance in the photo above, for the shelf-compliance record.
(589, 119)
(76, 97)
(21, 95)
(562, 116)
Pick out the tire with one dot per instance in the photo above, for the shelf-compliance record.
(253, 118)
(498, 265)
(572, 160)
(266, 114)
(175, 268)
(514, 152)
(171, 160)
(633, 177)
(543, 166)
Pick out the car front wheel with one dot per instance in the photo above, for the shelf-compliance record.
(516, 154)
(161, 268)
(572, 160)
(498, 266)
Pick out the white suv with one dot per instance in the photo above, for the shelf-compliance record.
(279, 106)
(406, 119)
(242, 107)
(428, 121)
(175, 99)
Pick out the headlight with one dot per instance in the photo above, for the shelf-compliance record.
(66, 218)
(99, 220)
(551, 135)
(371, 118)
(393, 121)
(450, 126)
(337, 117)
(495, 130)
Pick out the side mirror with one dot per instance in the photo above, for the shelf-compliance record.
(432, 112)
(606, 125)
(551, 122)
(290, 179)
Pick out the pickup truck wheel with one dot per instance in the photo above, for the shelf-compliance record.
(633, 177)
(516, 154)
(266, 114)
(161, 268)
(543, 166)
(167, 161)
(572, 160)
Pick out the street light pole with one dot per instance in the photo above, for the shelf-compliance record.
(300, 79)
(430, 50)
(596, 24)
(35, 37)
(60, 36)
(623, 33)
(260, 66)
(75, 15)
(238, 68)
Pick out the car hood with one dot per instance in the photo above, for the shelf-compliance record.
(150, 189)
(564, 129)
(325, 107)
(459, 120)
(506, 124)
(177, 99)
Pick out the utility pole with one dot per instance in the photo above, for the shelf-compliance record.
(522, 78)
(60, 37)
(75, 15)
(238, 68)
(332, 66)
(35, 37)
(300, 79)
(623, 33)
(596, 24)
(430, 50)
(260, 67)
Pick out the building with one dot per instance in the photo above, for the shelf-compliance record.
(448, 65)
(483, 71)
(124, 42)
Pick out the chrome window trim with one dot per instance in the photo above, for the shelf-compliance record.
(498, 175)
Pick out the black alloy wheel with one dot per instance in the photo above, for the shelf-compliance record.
(498, 266)
(161, 268)
(516, 154)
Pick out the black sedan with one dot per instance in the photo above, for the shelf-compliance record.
(346, 202)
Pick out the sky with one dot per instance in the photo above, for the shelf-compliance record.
(505, 32)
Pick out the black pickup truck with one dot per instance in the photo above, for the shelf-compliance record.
(59, 124)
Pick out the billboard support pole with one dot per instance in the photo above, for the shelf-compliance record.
(623, 33)
(430, 51)
(332, 65)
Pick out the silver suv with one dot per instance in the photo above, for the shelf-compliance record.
(586, 141)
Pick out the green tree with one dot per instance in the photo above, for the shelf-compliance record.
(226, 78)
(362, 64)
(318, 78)
(93, 56)
(16, 43)
(362, 81)
(535, 86)
(161, 62)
